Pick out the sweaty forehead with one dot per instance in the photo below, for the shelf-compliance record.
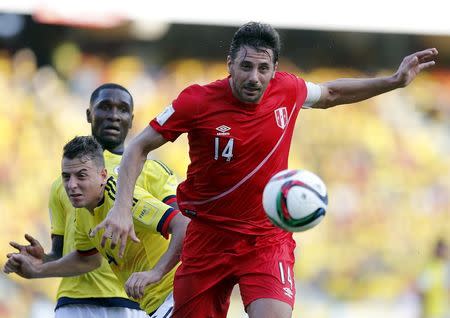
(257, 55)
(113, 95)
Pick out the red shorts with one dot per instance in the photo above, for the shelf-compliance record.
(214, 261)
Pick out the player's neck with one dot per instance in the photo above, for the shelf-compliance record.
(116, 150)
(98, 202)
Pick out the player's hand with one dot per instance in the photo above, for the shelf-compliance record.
(25, 266)
(11, 266)
(117, 225)
(138, 281)
(413, 64)
(35, 248)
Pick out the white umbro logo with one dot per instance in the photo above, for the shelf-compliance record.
(223, 130)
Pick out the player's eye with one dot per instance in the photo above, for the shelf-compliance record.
(264, 68)
(103, 106)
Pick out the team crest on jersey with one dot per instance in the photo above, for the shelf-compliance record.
(116, 169)
(281, 117)
(223, 130)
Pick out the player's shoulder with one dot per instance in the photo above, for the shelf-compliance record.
(198, 92)
(191, 92)
(285, 79)
(111, 157)
(197, 99)
(109, 194)
(156, 167)
(285, 76)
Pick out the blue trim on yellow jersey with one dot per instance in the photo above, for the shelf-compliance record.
(103, 302)
(161, 222)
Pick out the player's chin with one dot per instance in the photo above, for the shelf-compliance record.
(251, 98)
(110, 141)
(77, 202)
(112, 138)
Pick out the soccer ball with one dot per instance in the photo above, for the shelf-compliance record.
(295, 200)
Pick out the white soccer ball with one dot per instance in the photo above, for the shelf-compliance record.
(295, 200)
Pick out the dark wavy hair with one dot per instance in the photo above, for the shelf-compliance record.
(85, 147)
(97, 91)
(257, 35)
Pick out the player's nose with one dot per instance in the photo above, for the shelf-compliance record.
(72, 183)
(113, 114)
(253, 76)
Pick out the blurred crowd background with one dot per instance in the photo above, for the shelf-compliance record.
(386, 161)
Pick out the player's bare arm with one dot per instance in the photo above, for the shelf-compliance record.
(72, 264)
(137, 282)
(351, 90)
(118, 224)
(36, 250)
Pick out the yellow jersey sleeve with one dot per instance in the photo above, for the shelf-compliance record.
(156, 177)
(150, 214)
(83, 243)
(160, 181)
(56, 209)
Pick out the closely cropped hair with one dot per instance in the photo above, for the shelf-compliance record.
(97, 91)
(85, 147)
(258, 36)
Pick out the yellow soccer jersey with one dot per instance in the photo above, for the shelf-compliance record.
(151, 219)
(156, 178)
(101, 283)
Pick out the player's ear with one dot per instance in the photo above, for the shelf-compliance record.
(229, 61)
(104, 175)
(88, 116)
(275, 69)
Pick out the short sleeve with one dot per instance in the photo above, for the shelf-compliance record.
(293, 87)
(302, 91)
(151, 214)
(83, 243)
(160, 181)
(56, 208)
(179, 117)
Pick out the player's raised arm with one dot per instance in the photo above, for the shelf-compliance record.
(352, 90)
(118, 224)
(72, 264)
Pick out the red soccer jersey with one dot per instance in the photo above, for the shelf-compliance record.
(234, 149)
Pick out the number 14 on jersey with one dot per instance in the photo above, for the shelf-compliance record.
(225, 152)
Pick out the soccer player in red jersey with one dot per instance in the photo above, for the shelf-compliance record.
(239, 130)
